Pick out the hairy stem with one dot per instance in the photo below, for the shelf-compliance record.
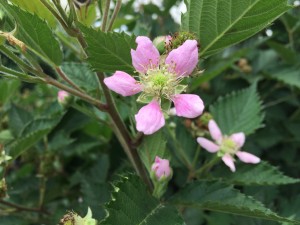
(114, 15)
(105, 15)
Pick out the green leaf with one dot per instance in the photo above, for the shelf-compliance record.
(81, 75)
(285, 53)
(152, 146)
(216, 196)
(33, 132)
(35, 33)
(265, 174)
(36, 7)
(219, 24)
(8, 88)
(109, 52)
(18, 117)
(289, 76)
(134, 205)
(239, 111)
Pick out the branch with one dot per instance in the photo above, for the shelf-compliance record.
(23, 208)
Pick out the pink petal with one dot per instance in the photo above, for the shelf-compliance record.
(228, 160)
(145, 56)
(208, 145)
(247, 157)
(238, 138)
(188, 105)
(150, 118)
(214, 131)
(62, 95)
(184, 59)
(123, 84)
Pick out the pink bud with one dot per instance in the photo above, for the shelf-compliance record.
(123, 84)
(184, 59)
(188, 105)
(62, 96)
(161, 167)
(150, 118)
(145, 56)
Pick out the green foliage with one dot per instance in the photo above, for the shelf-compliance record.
(219, 24)
(238, 112)
(152, 146)
(219, 197)
(33, 132)
(81, 75)
(35, 33)
(36, 7)
(18, 118)
(265, 174)
(7, 89)
(289, 76)
(109, 52)
(133, 204)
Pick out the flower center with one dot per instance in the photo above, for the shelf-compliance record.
(159, 80)
(228, 146)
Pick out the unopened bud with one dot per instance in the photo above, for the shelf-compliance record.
(162, 43)
(161, 168)
(63, 97)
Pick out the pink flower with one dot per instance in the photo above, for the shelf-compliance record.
(159, 79)
(62, 96)
(227, 147)
(161, 167)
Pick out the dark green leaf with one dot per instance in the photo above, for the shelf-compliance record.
(18, 118)
(219, 24)
(134, 205)
(239, 111)
(109, 52)
(216, 196)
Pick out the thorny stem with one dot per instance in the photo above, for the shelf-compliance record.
(114, 15)
(23, 208)
(105, 15)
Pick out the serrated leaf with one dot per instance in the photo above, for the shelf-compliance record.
(152, 146)
(216, 196)
(239, 111)
(265, 174)
(18, 117)
(219, 24)
(134, 205)
(289, 76)
(81, 75)
(35, 33)
(36, 7)
(33, 132)
(108, 52)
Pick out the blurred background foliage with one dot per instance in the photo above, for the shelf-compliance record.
(69, 160)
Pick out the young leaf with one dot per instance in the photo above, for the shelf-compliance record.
(109, 52)
(216, 196)
(265, 174)
(35, 33)
(219, 24)
(239, 111)
(134, 205)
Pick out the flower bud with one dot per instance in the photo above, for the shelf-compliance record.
(72, 218)
(161, 168)
(63, 97)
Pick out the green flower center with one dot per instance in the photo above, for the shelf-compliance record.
(228, 146)
(159, 80)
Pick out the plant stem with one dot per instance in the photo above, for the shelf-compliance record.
(105, 15)
(22, 76)
(114, 15)
(207, 166)
(23, 208)
(65, 77)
